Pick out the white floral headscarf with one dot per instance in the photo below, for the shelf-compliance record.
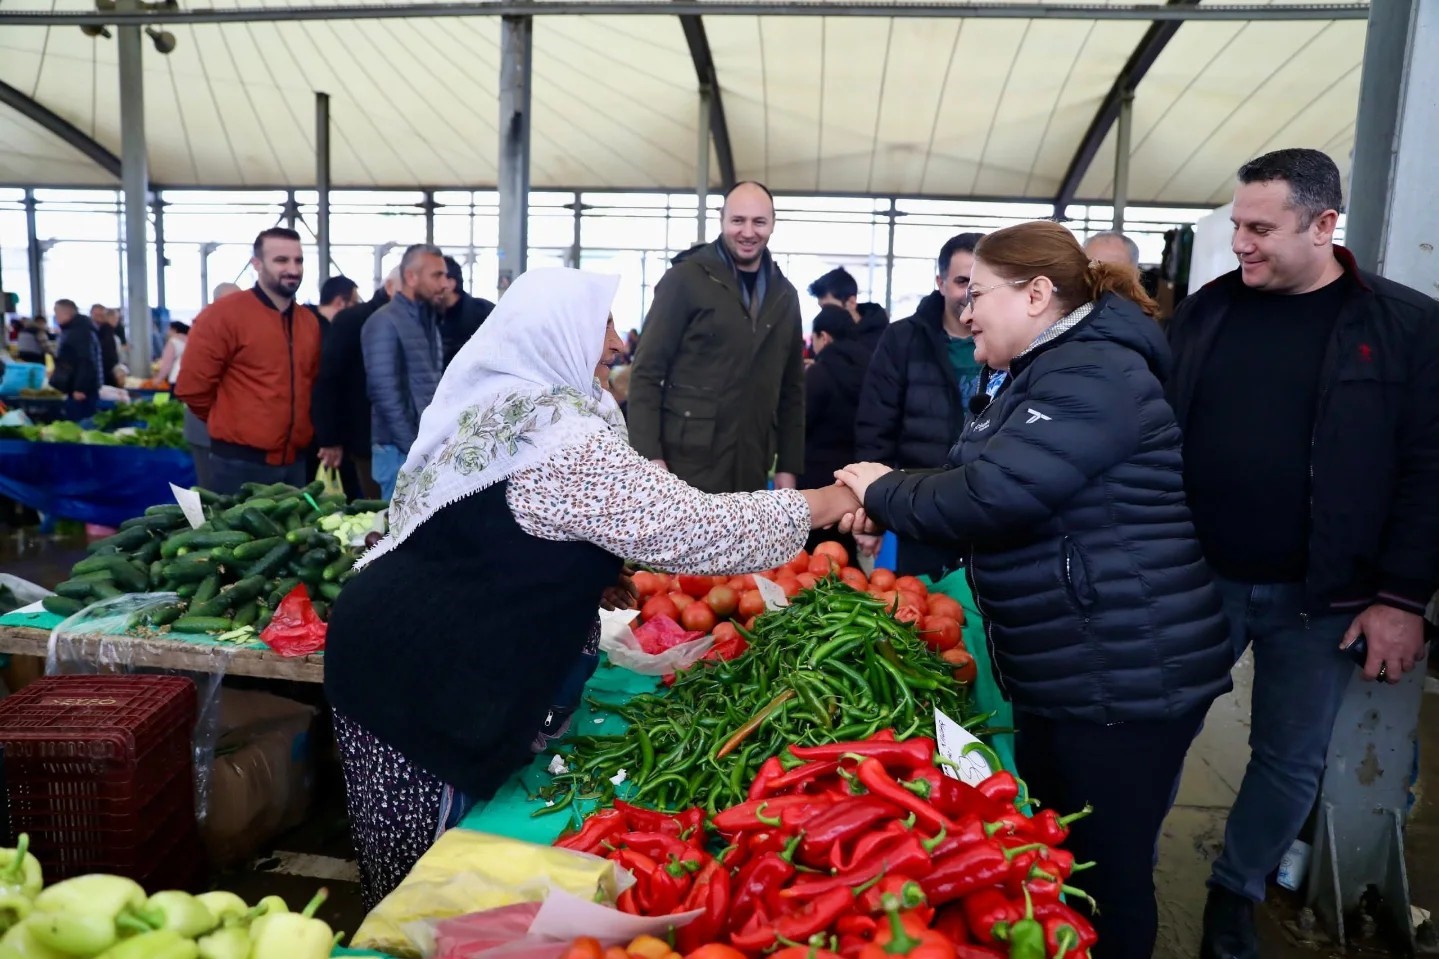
(519, 391)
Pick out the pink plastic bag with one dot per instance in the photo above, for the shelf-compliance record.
(296, 629)
(494, 932)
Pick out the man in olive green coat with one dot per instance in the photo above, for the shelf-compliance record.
(717, 386)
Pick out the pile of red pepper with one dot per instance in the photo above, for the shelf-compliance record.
(861, 850)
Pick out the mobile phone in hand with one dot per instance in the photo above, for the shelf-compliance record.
(1358, 651)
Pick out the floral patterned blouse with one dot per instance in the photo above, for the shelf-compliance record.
(603, 491)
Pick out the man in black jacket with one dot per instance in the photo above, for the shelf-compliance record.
(340, 404)
(463, 314)
(77, 362)
(105, 323)
(831, 396)
(839, 288)
(919, 383)
(1308, 391)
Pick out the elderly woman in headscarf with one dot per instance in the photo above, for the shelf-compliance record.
(510, 519)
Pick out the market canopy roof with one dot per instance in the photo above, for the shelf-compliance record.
(911, 104)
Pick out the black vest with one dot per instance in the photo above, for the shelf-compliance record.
(451, 647)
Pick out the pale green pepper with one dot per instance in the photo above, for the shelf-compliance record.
(291, 935)
(161, 944)
(180, 912)
(20, 942)
(231, 942)
(224, 906)
(20, 872)
(14, 908)
(86, 915)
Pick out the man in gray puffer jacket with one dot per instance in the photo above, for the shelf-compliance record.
(404, 360)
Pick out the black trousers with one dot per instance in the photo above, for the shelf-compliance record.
(1127, 773)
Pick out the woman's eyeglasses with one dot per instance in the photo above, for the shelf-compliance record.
(975, 292)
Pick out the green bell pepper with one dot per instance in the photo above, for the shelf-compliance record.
(14, 909)
(180, 912)
(86, 915)
(290, 935)
(224, 906)
(19, 871)
(161, 944)
(20, 943)
(232, 942)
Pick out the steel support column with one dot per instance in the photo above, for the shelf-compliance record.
(205, 250)
(892, 215)
(161, 261)
(516, 49)
(576, 241)
(428, 205)
(1364, 800)
(1123, 137)
(702, 167)
(322, 185)
(35, 258)
(135, 178)
(290, 210)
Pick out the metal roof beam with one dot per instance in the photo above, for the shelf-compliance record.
(1170, 13)
(709, 83)
(61, 128)
(1151, 45)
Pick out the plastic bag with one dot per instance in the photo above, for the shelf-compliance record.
(331, 478)
(296, 629)
(618, 641)
(467, 871)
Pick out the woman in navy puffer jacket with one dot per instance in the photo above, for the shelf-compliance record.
(1066, 496)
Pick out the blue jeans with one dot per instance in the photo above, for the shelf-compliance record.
(385, 463)
(1300, 677)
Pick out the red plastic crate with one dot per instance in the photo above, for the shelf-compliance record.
(98, 769)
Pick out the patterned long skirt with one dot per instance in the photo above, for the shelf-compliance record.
(397, 810)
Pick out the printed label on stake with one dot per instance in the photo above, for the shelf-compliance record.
(189, 501)
(952, 738)
(770, 591)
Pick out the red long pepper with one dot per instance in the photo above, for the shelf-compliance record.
(953, 797)
(870, 845)
(757, 814)
(596, 829)
(1052, 828)
(810, 777)
(906, 857)
(769, 770)
(661, 848)
(874, 777)
(907, 936)
(657, 892)
(988, 913)
(648, 820)
(902, 888)
(962, 873)
(965, 832)
(1045, 911)
(910, 754)
(840, 823)
(1000, 787)
(1061, 938)
(757, 889)
(711, 892)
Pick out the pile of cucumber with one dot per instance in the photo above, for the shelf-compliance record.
(232, 571)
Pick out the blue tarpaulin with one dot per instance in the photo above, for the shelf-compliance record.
(105, 485)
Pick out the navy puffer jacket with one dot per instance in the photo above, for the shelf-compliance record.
(1067, 493)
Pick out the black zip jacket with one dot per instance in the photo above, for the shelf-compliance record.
(831, 394)
(1374, 464)
(78, 363)
(1069, 497)
(873, 321)
(340, 405)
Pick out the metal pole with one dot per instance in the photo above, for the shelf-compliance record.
(161, 262)
(889, 259)
(291, 210)
(702, 167)
(1122, 140)
(35, 257)
(428, 205)
(516, 48)
(576, 247)
(135, 178)
(1364, 800)
(205, 250)
(322, 184)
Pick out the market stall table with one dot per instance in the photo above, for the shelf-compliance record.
(28, 634)
(105, 485)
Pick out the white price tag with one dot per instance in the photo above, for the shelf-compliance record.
(952, 738)
(189, 501)
(770, 591)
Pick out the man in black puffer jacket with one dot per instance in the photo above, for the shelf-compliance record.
(831, 393)
(919, 383)
(1066, 493)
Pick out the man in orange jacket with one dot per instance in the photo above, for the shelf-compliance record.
(249, 368)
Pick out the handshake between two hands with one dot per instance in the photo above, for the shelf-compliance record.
(856, 478)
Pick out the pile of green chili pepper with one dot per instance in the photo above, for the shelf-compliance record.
(832, 666)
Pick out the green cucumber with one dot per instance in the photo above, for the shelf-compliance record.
(165, 615)
(166, 509)
(186, 590)
(247, 614)
(330, 591)
(317, 559)
(285, 507)
(77, 588)
(257, 548)
(120, 568)
(105, 590)
(262, 504)
(338, 568)
(293, 521)
(267, 565)
(266, 614)
(134, 521)
(322, 609)
(202, 539)
(369, 505)
(209, 586)
(258, 524)
(305, 536)
(149, 552)
(62, 605)
(189, 569)
(247, 589)
(202, 624)
(207, 497)
(283, 588)
(157, 573)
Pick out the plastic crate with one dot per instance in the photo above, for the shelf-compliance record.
(98, 769)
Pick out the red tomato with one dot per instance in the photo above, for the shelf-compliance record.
(821, 565)
(681, 600)
(695, 586)
(908, 598)
(799, 564)
(965, 670)
(887, 596)
(834, 551)
(647, 584)
(749, 624)
(882, 578)
(791, 587)
(807, 580)
(698, 616)
(741, 583)
(751, 604)
(725, 631)
(905, 614)
(657, 606)
(723, 600)
(854, 577)
(939, 633)
(911, 584)
(942, 605)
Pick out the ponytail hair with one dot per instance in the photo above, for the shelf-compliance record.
(1045, 248)
(1122, 280)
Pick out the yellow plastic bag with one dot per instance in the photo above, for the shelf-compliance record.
(468, 871)
(331, 478)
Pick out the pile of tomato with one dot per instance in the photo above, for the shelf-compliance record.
(716, 604)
